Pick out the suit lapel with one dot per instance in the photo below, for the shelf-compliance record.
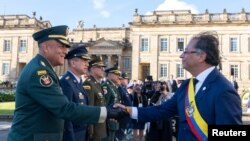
(206, 85)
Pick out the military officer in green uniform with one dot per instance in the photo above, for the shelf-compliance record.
(41, 106)
(112, 96)
(92, 85)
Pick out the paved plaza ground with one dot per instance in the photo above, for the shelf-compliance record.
(5, 126)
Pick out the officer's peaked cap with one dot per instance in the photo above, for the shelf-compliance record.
(58, 33)
(124, 75)
(80, 52)
(114, 70)
(96, 61)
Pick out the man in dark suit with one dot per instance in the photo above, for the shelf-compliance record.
(71, 84)
(92, 85)
(212, 100)
(173, 84)
(41, 106)
(234, 83)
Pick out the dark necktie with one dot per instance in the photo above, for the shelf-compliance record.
(195, 81)
(80, 81)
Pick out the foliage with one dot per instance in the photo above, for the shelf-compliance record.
(6, 96)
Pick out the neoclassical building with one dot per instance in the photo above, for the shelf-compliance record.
(17, 46)
(159, 39)
(151, 45)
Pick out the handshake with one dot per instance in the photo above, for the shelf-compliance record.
(116, 112)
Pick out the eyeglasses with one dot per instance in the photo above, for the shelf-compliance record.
(189, 52)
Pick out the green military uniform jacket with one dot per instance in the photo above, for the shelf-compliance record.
(112, 96)
(41, 107)
(111, 93)
(96, 98)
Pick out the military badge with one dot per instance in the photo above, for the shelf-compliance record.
(105, 91)
(81, 96)
(46, 80)
(100, 95)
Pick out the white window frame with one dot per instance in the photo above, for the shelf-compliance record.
(163, 70)
(180, 40)
(235, 68)
(22, 45)
(179, 70)
(163, 44)
(233, 43)
(6, 45)
(5, 68)
(127, 62)
(144, 44)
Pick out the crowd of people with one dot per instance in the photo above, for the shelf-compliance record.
(107, 106)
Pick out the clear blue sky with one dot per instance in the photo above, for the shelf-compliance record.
(110, 13)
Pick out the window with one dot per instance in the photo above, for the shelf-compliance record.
(234, 70)
(180, 44)
(163, 70)
(233, 44)
(22, 45)
(126, 63)
(163, 44)
(144, 45)
(6, 69)
(180, 70)
(7, 45)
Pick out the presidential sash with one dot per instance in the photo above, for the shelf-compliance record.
(196, 123)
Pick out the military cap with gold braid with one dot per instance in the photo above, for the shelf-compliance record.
(96, 61)
(80, 52)
(114, 70)
(124, 75)
(58, 33)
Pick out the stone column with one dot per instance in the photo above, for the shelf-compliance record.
(109, 61)
(120, 62)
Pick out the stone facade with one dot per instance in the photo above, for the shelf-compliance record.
(17, 46)
(174, 29)
(151, 45)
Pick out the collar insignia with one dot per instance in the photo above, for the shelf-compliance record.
(42, 63)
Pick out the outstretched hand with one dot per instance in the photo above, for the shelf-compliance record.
(116, 112)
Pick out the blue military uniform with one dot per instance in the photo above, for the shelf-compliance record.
(72, 88)
(41, 106)
(125, 124)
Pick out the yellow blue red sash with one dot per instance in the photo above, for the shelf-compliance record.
(196, 123)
